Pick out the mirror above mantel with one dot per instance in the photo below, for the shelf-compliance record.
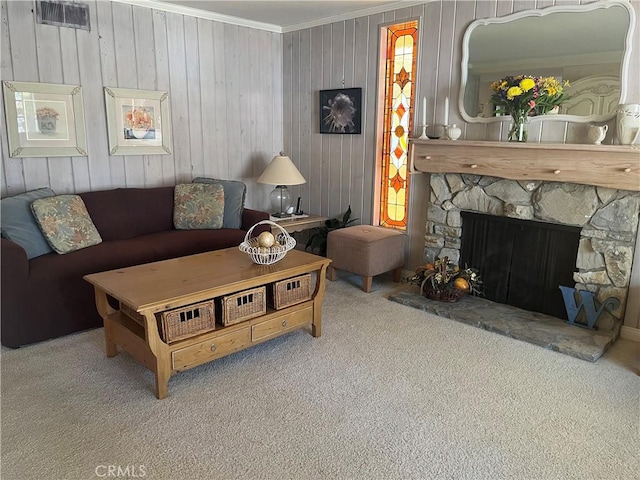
(588, 45)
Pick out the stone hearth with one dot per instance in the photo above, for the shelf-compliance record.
(608, 218)
(594, 187)
(542, 330)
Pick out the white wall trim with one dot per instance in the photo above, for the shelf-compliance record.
(355, 14)
(630, 333)
(243, 22)
(195, 12)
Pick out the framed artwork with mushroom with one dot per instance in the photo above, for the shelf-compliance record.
(341, 111)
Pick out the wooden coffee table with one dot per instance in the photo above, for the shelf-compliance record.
(160, 286)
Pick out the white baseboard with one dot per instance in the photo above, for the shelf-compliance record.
(630, 333)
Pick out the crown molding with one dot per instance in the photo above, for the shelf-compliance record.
(195, 12)
(219, 17)
(387, 7)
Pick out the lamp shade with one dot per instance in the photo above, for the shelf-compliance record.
(281, 171)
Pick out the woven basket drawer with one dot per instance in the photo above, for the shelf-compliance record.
(185, 322)
(291, 291)
(242, 306)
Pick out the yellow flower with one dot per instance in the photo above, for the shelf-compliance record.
(527, 84)
(551, 91)
(513, 92)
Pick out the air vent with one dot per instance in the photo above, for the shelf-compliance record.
(63, 14)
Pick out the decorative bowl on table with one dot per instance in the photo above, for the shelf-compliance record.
(267, 249)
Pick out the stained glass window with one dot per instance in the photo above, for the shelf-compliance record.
(399, 81)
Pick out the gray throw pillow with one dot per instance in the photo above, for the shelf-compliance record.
(234, 196)
(19, 225)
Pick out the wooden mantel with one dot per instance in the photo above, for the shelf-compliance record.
(613, 166)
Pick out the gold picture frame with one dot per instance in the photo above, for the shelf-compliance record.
(137, 121)
(44, 119)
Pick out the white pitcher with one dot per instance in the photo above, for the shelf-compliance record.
(628, 123)
(596, 134)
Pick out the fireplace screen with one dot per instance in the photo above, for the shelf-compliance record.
(521, 262)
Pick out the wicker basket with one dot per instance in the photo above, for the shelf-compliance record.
(450, 296)
(243, 306)
(263, 255)
(186, 321)
(289, 292)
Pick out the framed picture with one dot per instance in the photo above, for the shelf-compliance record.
(44, 119)
(138, 121)
(341, 111)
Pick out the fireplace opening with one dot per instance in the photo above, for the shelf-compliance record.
(521, 262)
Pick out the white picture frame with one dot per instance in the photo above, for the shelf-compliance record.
(138, 121)
(44, 119)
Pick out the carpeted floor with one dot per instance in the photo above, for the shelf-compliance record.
(388, 392)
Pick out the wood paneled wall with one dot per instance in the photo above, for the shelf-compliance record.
(340, 168)
(224, 81)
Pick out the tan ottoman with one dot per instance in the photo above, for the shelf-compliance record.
(367, 251)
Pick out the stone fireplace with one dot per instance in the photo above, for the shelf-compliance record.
(608, 219)
(593, 188)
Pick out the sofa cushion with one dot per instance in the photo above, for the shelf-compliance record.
(123, 213)
(65, 223)
(115, 254)
(19, 224)
(234, 196)
(198, 206)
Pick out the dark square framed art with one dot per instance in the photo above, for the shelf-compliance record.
(341, 111)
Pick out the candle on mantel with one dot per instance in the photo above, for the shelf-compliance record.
(446, 110)
(424, 110)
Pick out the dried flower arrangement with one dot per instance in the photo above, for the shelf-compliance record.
(446, 281)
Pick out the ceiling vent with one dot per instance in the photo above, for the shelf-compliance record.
(63, 14)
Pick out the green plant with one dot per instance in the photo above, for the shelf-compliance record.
(317, 242)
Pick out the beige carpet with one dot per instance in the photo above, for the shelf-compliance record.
(388, 392)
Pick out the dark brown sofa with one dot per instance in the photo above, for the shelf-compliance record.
(46, 297)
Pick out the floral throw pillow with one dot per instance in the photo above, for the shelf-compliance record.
(198, 206)
(65, 223)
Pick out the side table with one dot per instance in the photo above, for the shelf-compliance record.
(298, 224)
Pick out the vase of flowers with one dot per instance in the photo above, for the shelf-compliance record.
(138, 122)
(445, 281)
(47, 120)
(524, 96)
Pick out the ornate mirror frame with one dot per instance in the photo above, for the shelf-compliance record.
(603, 4)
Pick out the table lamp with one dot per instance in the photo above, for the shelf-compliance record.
(281, 172)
